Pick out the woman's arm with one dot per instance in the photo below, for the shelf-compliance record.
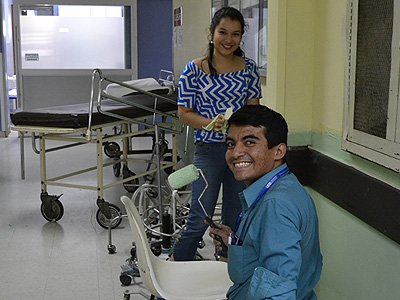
(189, 117)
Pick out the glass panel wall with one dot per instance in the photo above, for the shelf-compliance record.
(73, 37)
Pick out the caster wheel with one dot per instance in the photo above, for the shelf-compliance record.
(104, 222)
(152, 218)
(111, 249)
(156, 250)
(112, 149)
(127, 296)
(152, 193)
(117, 169)
(182, 216)
(131, 185)
(52, 211)
(125, 279)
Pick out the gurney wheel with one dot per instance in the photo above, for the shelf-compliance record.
(52, 211)
(131, 185)
(112, 149)
(104, 222)
(117, 169)
(111, 249)
(125, 279)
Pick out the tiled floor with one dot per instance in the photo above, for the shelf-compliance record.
(64, 260)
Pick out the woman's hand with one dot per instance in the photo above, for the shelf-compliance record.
(219, 123)
(195, 120)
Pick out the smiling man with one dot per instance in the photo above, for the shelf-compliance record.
(273, 250)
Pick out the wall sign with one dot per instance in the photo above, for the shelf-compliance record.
(31, 56)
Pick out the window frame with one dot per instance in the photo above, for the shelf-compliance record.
(262, 40)
(383, 151)
(51, 10)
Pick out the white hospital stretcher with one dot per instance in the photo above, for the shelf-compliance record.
(120, 105)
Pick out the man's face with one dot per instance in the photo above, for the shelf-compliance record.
(248, 155)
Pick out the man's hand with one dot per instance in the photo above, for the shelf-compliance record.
(223, 231)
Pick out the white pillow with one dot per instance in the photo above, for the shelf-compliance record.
(146, 84)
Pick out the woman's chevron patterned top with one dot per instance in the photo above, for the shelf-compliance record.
(210, 95)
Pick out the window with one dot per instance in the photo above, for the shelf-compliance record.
(255, 13)
(75, 37)
(372, 116)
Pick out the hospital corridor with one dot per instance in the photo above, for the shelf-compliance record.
(120, 124)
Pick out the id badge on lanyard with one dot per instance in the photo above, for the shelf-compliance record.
(238, 240)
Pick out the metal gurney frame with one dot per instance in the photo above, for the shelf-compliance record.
(51, 206)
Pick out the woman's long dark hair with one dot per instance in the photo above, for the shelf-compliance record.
(224, 12)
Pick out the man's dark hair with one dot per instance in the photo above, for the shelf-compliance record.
(274, 124)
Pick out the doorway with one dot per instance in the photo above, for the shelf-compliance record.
(58, 46)
(7, 74)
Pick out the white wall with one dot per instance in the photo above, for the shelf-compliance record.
(306, 67)
(196, 20)
(359, 262)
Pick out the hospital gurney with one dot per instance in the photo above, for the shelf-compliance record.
(81, 124)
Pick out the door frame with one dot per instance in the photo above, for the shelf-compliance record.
(65, 74)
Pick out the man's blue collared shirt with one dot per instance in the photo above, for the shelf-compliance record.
(280, 254)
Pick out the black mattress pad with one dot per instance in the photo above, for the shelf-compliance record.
(77, 115)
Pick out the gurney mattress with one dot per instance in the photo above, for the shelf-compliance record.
(77, 115)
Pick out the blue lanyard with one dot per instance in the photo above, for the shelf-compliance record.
(235, 240)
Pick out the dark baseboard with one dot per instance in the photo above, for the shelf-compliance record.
(372, 201)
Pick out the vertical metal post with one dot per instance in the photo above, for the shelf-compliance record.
(158, 162)
(125, 144)
(43, 173)
(22, 153)
(100, 179)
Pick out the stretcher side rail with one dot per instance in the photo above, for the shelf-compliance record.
(158, 129)
(97, 82)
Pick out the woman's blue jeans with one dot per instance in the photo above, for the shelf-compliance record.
(210, 158)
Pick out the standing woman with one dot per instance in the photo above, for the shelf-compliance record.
(208, 86)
